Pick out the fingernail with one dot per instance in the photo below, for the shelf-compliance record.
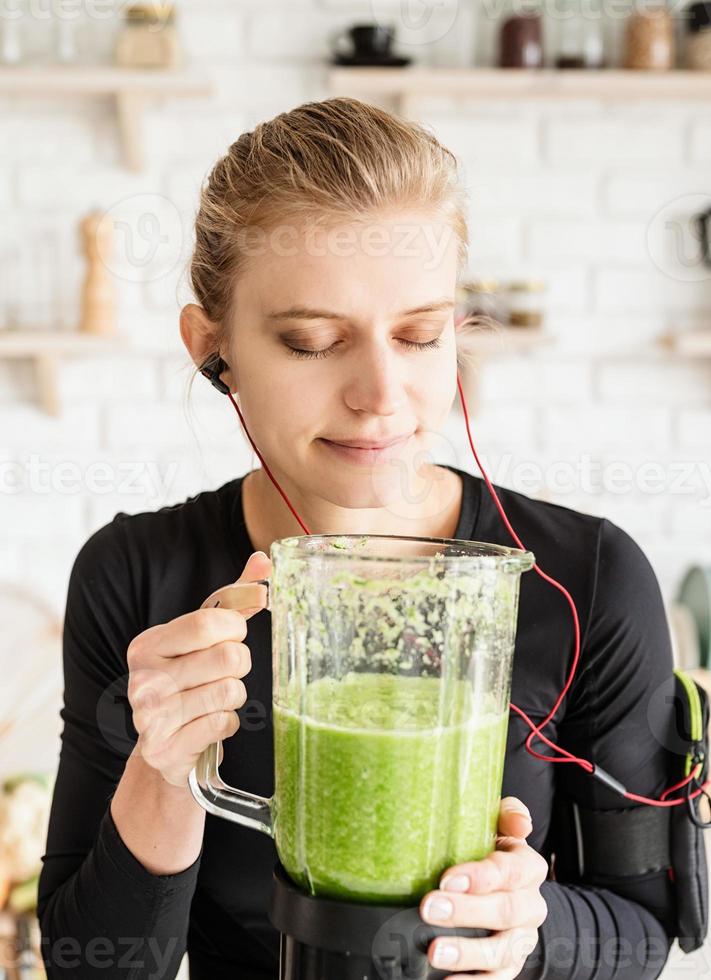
(446, 955)
(438, 909)
(456, 883)
(261, 553)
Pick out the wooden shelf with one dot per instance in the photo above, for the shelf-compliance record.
(46, 348)
(689, 343)
(405, 85)
(130, 88)
(507, 340)
(33, 343)
(99, 80)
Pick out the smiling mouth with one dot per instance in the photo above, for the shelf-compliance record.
(365, 444)
(363, 455)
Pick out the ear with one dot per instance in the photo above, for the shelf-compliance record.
(199, 334)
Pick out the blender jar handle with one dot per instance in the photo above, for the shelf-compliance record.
(206, 785)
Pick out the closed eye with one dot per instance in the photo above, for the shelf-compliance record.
(409, 344)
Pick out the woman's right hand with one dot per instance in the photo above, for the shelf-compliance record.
(184, 682)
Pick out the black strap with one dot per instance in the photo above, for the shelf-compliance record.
(611, 843)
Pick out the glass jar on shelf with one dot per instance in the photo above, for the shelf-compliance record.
(12, 46)
(579, 35)
(525, 300)
(449, 38)
(149, 37)
(650, 42)
(521, 41)
(66, 48)
(483, 299)
(9, 287)
(697, 52)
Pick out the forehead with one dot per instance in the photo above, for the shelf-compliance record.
(400, 259)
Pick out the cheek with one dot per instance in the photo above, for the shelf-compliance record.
(435, 383)
(435, 401)
(288, 407)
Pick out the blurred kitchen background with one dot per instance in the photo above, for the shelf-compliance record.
(583, 128)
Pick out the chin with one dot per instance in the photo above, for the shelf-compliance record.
(365, 487)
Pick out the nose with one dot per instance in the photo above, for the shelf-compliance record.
(375, 384)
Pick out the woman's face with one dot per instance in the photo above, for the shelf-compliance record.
(356, 298)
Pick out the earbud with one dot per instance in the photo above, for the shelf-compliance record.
(212, 367)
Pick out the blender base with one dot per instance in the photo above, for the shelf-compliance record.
(331, 939)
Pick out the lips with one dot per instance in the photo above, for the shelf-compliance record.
(369, 443)
(367, 456)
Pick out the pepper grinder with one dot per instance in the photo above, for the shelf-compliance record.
(98, 297)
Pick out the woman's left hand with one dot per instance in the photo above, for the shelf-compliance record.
(500, 892)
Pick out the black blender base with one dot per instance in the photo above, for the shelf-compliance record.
(328, 939)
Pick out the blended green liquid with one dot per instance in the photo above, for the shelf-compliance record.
(374, 799)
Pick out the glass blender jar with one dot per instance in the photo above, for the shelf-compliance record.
(391, 663)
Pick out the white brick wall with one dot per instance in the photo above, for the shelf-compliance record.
(640, 136)
(566, 191)
(693, 428)
(700, 150)
(628, 190)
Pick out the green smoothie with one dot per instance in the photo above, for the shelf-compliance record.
(374, 796)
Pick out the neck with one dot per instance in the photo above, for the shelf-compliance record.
(268, 518)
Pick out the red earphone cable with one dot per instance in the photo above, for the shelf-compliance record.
(536, 730)
(268, 471)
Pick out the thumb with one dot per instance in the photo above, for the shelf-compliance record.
(257, 567)
(514, 818)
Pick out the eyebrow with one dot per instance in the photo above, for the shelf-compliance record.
(307, 313)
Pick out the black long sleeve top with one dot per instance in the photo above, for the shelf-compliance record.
(100, 907)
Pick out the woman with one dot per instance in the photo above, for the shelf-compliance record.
(328, 245)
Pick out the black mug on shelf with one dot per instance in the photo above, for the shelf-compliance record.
(364, 41)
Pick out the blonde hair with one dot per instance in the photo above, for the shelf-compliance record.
(339, 158)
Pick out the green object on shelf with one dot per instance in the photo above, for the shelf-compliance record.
(43, 778)
(23, 897)
(695, 594)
